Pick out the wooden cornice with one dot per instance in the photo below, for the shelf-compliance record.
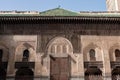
(58, 19)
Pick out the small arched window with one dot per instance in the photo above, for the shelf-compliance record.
(58, 49)
(117, 54)
(65, 49)
(92, 55)
(25, 55)
(53, 49)
(1, 54)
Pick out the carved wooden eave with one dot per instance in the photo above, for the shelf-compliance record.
(83, 25)
(58, 19)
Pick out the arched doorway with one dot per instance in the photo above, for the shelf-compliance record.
(116, 74)
(59, 50)
(24, 74)
(93, 74)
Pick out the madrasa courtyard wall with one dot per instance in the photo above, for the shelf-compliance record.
(104, 46)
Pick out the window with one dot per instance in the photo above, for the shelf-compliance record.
(53, 49)
(117, 54)
(65, 49)
(92, 55)
(25, 55)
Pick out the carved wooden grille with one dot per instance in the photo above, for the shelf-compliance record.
(94, 77)
(116, 77)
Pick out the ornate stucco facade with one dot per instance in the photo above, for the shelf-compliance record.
(60, 45)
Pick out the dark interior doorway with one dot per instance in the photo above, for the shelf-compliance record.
(2, 74)
(24, 74)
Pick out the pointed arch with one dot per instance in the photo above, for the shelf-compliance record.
(20, 50)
